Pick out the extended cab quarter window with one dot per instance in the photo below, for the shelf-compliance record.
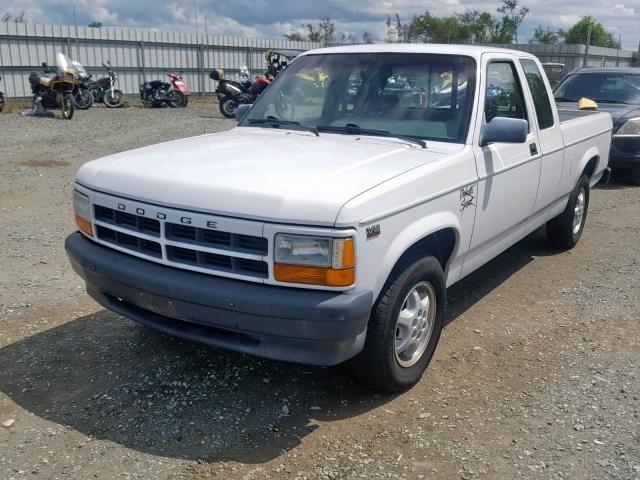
(539, 93)
(503, 97)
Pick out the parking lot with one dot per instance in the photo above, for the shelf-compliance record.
(537, 374)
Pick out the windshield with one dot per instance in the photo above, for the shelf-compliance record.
(64, 64)
(405, 95)
(601, 87)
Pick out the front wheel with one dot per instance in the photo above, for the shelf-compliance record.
(565, 230)
(83, 100)
(405, 326)
(175, 99)
(113, 99)
(67, 106)
(228, 107)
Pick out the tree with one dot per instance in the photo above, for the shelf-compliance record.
(95, 25)
(366, 37)
(546, 36)
(600, 37)
(397, 32)
(513, 14)
(294, 37)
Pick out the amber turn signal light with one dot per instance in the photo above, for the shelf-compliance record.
(303, 274)
(84, 225)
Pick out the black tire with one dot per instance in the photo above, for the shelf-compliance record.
(562, 232)
(186, 101)
(1, 102)
(228, 107)
(175, 99)
(635, 172)
(113, 100)
(378, 365)
(68, 106)
(83, 100)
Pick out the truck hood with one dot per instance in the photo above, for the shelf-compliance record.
(258, 173)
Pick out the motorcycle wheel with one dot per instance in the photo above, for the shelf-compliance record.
(228, 107)
(113, 100)
(285, 109)
(175, 99)
(1, 102)
(67, 106)
(83, 99)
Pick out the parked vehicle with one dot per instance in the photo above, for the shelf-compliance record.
(617, 91)
(83, 98)
(158, 93)
(177, 83)
(102, 90)
(332, 235)
(1, 100)
(555, 72)
(54, 88)
(232, 93)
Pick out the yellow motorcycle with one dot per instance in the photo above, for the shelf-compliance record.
(54, 88)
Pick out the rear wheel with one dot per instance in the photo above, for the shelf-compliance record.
(67, 106)
(565, 230)
(228, 107)
(113, 99)
(404, 328)
(83, 100)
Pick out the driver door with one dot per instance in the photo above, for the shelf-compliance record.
(508, 173)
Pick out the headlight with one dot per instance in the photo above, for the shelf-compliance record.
(630, 127)
(314, 260)
(82, 211)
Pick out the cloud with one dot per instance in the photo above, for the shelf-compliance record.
(276, 17)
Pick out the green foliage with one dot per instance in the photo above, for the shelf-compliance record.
(9, 18)
(325, 32)
(600, 37)
(95, 24)
(472, 26)
(546, 36)
(513, 15)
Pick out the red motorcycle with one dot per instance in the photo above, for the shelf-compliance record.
(177, 83)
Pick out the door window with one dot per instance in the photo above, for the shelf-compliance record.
(539, 93)
(503, 97)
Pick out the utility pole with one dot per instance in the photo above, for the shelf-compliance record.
(75, 24)
(586, 47)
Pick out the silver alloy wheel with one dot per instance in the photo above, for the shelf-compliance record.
(579, 210)
(414, 325)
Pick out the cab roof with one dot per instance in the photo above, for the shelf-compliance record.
(446, 49)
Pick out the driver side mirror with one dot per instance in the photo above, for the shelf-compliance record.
(504, 130)
(242, 110)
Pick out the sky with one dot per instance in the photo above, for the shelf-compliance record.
(273, 18)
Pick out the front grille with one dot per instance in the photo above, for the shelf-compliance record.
(129, 242)
(193, 242)
(216, 239)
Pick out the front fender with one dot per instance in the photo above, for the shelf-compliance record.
(413, 233)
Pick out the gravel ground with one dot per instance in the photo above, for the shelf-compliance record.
(537, 374)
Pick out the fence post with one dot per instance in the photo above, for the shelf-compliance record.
(586, 47)
(141, 63)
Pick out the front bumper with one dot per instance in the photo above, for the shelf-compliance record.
(304, 326)
(625, 153)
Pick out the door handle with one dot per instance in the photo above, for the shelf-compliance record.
(533, 148)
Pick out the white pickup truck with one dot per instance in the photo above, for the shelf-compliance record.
(329, 223)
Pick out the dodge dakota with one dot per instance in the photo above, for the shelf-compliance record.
(328, 224)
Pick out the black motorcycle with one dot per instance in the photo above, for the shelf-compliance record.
(232, 93)
(1, 99)
(101, 90)
(157, 93)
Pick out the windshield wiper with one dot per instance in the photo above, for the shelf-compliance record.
(562, 99)
(276, 122)
(353, 129)
(612, 101)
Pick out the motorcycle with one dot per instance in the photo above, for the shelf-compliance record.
(177, 83)
(157, 93)
(101, 90)
(55, 87)
(232, 93)
(1, 99)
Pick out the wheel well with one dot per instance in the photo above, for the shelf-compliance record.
(591, 166)
(439, 244)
